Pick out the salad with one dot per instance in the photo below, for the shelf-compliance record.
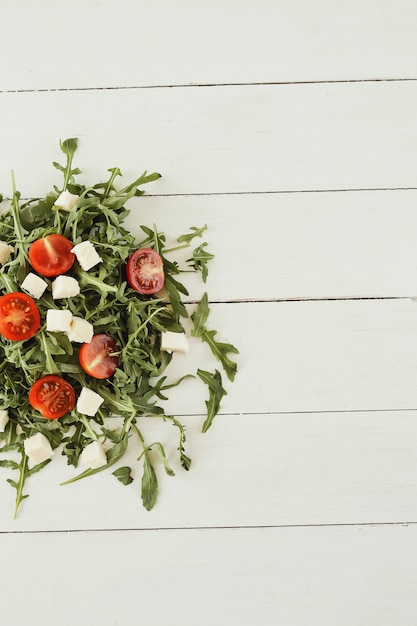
(89, 321)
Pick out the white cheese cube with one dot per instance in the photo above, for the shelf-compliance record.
(58, 321)
(174, 342)
(80, 331)
(86, 255)
(65, 287)
(4, 418)
(34, 285)
(93, 455)
(5, 252)
(38, 448)
(66, 201)
(89, 402)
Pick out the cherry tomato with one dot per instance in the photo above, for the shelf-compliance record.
(19, 316)
(98, 358)
(51, 255)
(145, 271)
(52, 396)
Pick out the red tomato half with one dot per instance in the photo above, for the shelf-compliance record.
(145, 271)
(98, 358)
(19, 316)
(51, 255)
(52, 396)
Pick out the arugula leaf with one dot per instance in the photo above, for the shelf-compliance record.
(218, 349)
(216, 393)
(200, 316)
(68, 147)
(197, 232)
(200, 259)
(149, 484)
(123, 474)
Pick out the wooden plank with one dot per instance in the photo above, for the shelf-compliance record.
(277, 246)
(309, 356)
(220, 139)
(319, 576)
(164, 43)
(292, 246)
(247, 470)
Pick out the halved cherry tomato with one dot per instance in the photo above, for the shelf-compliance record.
(99, 357)
(145, 271)
(19, 316)
(52, 396)
(51, 255)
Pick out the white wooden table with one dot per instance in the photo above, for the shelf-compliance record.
(290, 128)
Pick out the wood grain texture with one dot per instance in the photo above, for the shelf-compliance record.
(290, 246)
(310, 356)
(219, 139)
(349, 576)
(300, 507)
(247, 470)
(107, 44)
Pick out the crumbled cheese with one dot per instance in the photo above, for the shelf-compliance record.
(66, 201)
(65, 287)
(89, 402)
(58, 321)
(38, 448)
(93, 455)
(174, 342)
(5, 252)
(80, 331)
(4, 418)
(34, 285)
(86, 255)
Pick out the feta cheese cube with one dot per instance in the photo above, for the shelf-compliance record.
(65, 287)
(66, 201)
(38, 448)
(34, 285)
(5, 252)
(58, 321)
(80, 331)
(89, 402)
(4, 418)
(93, 455)
(174, 342)
(86, 255)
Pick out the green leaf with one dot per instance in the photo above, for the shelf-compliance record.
(123, 475)
(197, 232)
(167, 467)
(220, 351)
(149, 484)
(200, 259)
(172, 288)
(216, 393)
(200, 315)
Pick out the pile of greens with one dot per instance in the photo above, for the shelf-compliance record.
(107, 301)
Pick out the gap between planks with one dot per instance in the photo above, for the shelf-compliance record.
(214, 84)
(404, 523)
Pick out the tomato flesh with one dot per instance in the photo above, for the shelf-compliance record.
(51, 255)
(99, 358)
(52, 396)
(145, 271)
(19, 316)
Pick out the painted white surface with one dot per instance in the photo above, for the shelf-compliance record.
(247, 470)
(246, 138)
(318, 434)
(320, 576)
(108, 43)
